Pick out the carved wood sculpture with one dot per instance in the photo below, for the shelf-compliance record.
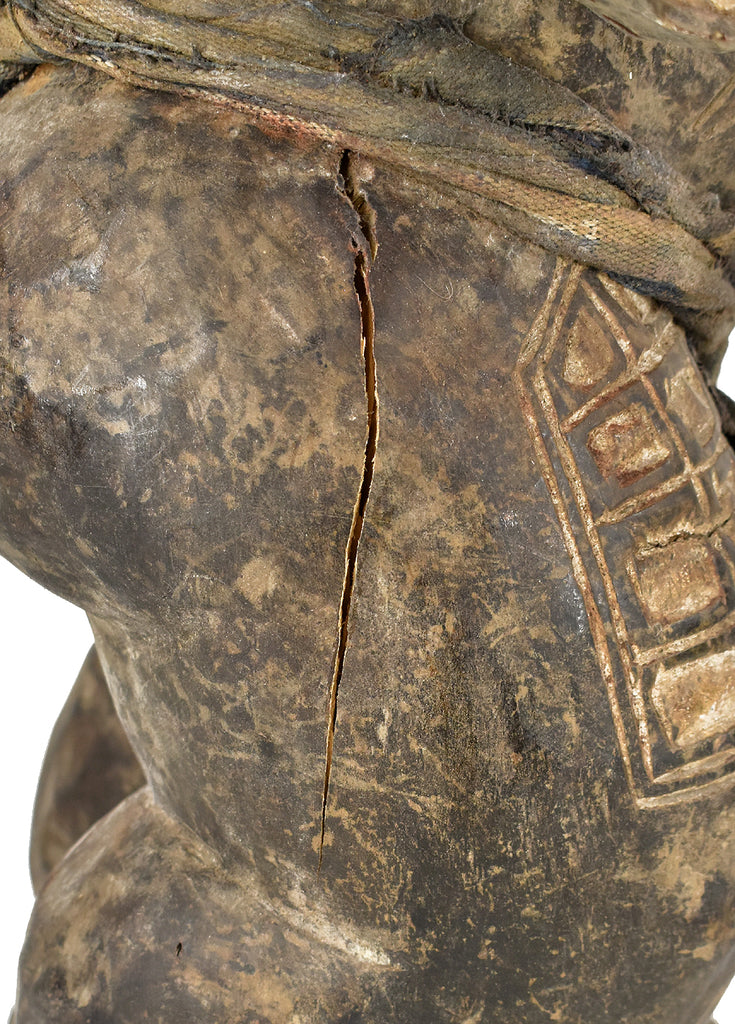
(356, 380)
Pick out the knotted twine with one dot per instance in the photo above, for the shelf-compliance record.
(420, 96)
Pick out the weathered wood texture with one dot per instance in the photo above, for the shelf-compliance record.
(230, 352)
(88, 769)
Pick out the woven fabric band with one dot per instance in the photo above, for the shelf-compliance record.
(420, 96)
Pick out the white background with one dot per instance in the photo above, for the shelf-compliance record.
(44, 643)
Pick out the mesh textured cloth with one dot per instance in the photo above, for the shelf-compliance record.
(418, 94)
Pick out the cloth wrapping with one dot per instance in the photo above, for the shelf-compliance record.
(419, 95)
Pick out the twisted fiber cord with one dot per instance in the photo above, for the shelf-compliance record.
(421, 97)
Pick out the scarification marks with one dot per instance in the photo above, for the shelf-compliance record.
(367, 347)
(661, 617)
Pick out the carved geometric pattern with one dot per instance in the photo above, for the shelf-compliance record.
(589, 356)
(686, 401)
(677, 580)
(641, 479)
(627, 445)
(696, 700)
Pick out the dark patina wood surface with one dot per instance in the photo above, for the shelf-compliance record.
(407, 544)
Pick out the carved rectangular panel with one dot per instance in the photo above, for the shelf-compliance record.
(641, 479)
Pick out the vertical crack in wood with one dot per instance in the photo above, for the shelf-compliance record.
(367, 347)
